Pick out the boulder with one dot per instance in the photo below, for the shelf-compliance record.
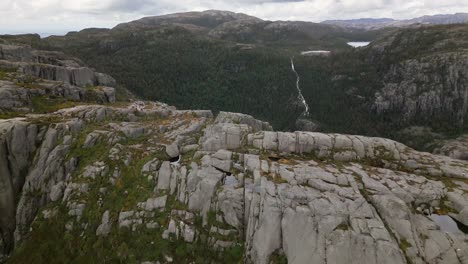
(156, 203)
(105, 227)
(236, 118)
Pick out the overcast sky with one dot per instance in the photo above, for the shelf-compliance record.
(60, 16)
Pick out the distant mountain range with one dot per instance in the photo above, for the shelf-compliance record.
(378, 23)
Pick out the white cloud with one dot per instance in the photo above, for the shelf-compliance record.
(59, 16)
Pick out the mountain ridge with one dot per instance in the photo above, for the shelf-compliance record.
(378, 23)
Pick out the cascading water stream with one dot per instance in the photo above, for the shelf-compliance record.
(300, 96)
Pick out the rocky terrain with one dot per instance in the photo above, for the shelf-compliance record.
(427, 88)
(454, 148)
(83, 176)
(423, 80)
(28, 78)
(143, 182)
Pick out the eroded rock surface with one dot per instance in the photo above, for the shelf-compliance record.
(456, 148)
(306, 197)
(27, 75)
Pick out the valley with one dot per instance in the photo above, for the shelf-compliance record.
(224, 61)
(206, 137)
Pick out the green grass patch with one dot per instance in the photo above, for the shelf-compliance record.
(49, 104)
(278, 258)
(9, 115)
(5, 72)
(404, 244)
(3, 75)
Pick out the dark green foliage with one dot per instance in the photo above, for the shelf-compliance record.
(234, 71)
(343, 227)
(50, 243)
(8, 115)
(278, 258)
(417, 42)
(197, 73)
(4, 72)
(337, 93)
(193, 71)
(48, 104)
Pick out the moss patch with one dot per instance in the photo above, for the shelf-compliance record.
(49, 104)
(9, 115)
(278, 258)
(404, 245)
(342, 226)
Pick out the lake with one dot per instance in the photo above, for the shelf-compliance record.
(358, 44)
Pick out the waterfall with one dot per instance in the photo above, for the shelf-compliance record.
(300, 96)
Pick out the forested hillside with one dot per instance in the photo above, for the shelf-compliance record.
(215, 60)
(232, 62)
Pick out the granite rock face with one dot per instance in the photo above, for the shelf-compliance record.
(424, 89)
(50, 65)
(27, 74)
(236, 118)
(456, 148)
(304, 196)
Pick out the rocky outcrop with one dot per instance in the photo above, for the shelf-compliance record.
(426, 89)
(456, 148)
(80, 76)
(17, 96)
(53, 66)
(307, 125)
(26, 74)
(183, 177)
(18, 142)
(236, 118)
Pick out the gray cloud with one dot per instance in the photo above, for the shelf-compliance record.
(129, 5)
(60, 16)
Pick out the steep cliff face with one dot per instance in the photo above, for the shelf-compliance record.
(432, 89)
(145, 183)
(33, 81)
(424, 73)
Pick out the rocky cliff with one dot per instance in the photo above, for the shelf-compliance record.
(416, 77)
(430, 89)
(29, 76)
(145, 183)
(423, 73)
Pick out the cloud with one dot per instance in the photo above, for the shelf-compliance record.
(60, 16)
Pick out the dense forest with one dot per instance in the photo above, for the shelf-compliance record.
(189, 70)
